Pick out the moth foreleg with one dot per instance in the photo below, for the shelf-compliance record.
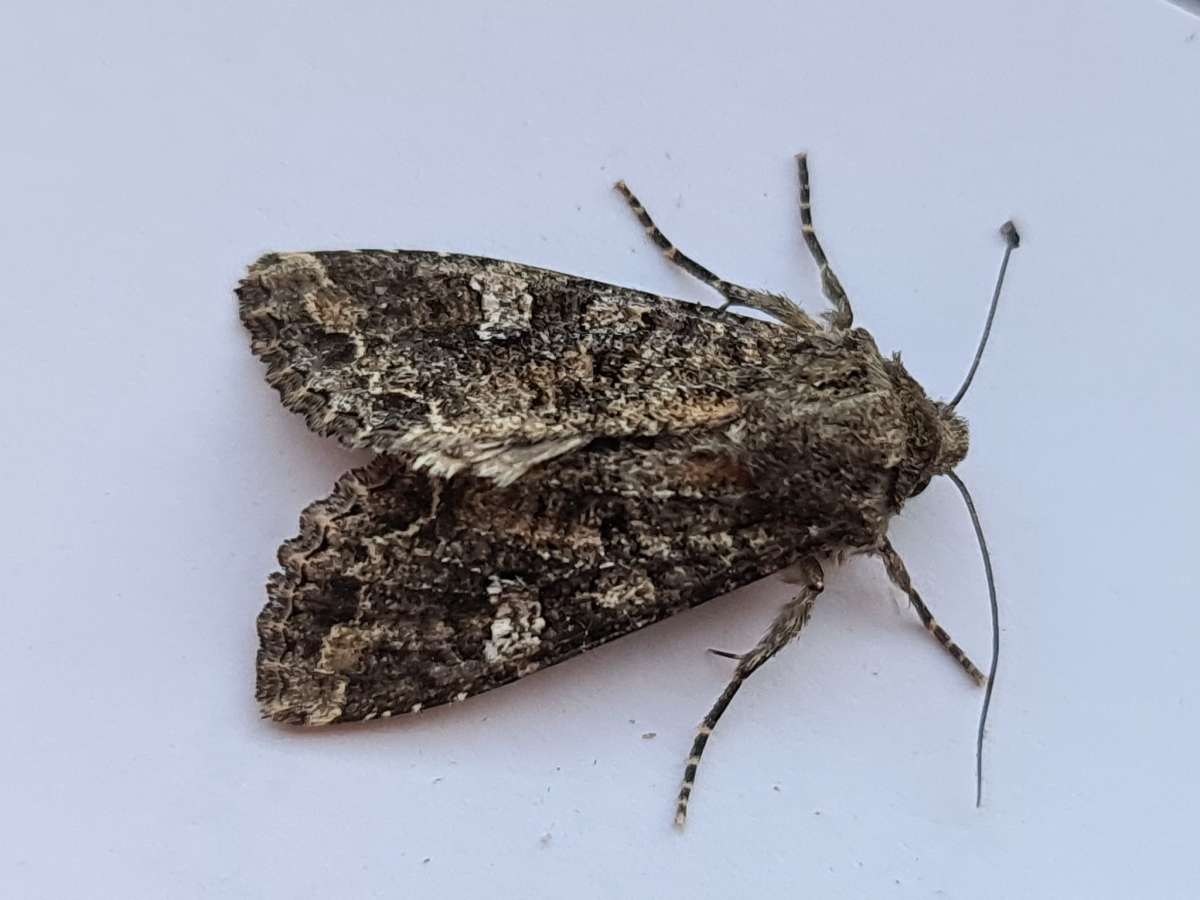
(842, 316)
(735, 294)
(786, 626)
(899, 576)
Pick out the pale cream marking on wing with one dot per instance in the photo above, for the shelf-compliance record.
(517, 625)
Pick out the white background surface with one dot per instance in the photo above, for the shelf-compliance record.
(152, 151)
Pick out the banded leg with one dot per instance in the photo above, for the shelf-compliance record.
(786, 626)
(735, 295)
(842, 316)
(899, 575)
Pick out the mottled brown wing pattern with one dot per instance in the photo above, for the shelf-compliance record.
(566, 461)
(463, 362)
(405, 591)
(616, 456)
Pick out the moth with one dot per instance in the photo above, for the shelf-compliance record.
(563, 461)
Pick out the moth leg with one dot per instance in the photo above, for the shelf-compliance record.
(786, 626)
(899, 575)
(774, 305)
(841, 317)
(724, 653)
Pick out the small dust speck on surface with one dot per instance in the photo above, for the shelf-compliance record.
(649, 735)
(545, 839)
(426, 859)
(776, 788)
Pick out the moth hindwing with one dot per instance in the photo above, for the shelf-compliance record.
(562, 461)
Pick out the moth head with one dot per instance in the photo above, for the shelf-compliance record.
(937, 439)
(955, 440)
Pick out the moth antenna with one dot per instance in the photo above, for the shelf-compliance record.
(991, 679)
(1012, 240)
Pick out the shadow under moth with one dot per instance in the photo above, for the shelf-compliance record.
(563, 461)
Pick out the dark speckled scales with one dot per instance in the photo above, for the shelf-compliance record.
(405, 591)
(617, 456)
(466, 362)
(563, 461)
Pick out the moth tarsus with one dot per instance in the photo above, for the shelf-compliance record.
(841, 316)
(774, 305)
(563, 461)
(724, 653)
(788, 622)
(898, 574)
